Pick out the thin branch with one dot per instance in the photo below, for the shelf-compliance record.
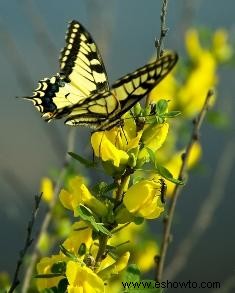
(48, 216)
(159, 42)
(168, 221)
(206, 212)
(28, 242)
(163, 30)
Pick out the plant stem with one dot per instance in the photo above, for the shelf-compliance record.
(168, 221)
(48, 217)
(122, 185)
(163, 32)
(28, 242)
(103, 239)
(206, 212)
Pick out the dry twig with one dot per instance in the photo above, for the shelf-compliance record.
(168, 221)
(48, 216)
(28, 242)
(206, 212)
(163, 31)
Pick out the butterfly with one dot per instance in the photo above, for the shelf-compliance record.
(81, 93)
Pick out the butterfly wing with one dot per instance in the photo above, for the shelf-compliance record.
(103, 111)
(82, 74)
(94, 111)
(81, 62)
(134, 86)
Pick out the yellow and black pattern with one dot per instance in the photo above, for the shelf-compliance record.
(81, 62)
(124, 94)
(134, 86)
(80, 92)
(82, 74)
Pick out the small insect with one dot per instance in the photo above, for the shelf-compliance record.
(163, 190)
(89, 261)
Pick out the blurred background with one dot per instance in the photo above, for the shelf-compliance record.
(31, 36)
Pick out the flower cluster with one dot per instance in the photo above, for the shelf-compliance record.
(100, 242)
(109, 229)
(186, 88)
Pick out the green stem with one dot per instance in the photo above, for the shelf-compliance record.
(103, 239)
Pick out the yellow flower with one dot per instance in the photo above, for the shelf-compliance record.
(82, 279)
(167, 90)
(47, 189)
(143, 199)
(81, 233)
(104, 147)
(113, 145)
(145, 256)
(79, 194)
(191, 96)
(153, 138)
(127, 233)
(116, 267)
(175, 163)
(44, 267)
(5, 281)
(193, 45)
(221, 48)
(44, 243)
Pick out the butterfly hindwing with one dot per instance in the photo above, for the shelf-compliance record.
(95, 111)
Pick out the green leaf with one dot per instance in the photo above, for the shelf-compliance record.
(102, 188)
(171, 114)
(136, 178)
(152, 156)
(62, 286)
(83, 161)
(165, 173)
(82, 249)
(162, 106)
(58, 268)
(86, 214)
(67, 253)
(112, 252)
(132, 274)
(47, 276)
(100, 227)
(50, 290)
(138, 220)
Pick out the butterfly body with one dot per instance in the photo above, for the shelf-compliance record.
(81, 92)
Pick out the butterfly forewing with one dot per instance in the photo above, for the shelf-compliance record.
(133, 87)
(81, 62)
